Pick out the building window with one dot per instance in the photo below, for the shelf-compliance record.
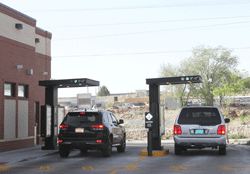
(9, 89)
(22, 91)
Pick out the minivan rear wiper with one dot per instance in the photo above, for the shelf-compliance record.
(207, 124)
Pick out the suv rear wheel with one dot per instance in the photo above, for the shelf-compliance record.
(222, 150)
(64, 152)
(122, 147)
(177, 149)
(106, 152)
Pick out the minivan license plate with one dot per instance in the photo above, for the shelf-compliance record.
(199, 131)
(79, 130)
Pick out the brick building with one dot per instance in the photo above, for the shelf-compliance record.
(25, 58)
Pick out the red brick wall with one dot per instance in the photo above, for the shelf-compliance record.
(18, 144)
(14, 53)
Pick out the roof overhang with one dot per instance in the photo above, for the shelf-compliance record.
(174, 80)
(65, 83)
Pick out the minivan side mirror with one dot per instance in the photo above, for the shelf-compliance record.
(227, 120)
(121, 121)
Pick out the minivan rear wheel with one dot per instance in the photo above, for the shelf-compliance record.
(222, 150)
(177, 149)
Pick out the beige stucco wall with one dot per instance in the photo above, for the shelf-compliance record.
(42, 45)
(8, 30)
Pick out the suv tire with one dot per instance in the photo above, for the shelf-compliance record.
(106, 152)
(222, 150)
(64, 152)
(177, 149)
(122, 147)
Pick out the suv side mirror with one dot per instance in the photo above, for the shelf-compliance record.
(121, 121)
(227, 120)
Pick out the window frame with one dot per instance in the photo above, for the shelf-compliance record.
(25, 92)
(12, 89)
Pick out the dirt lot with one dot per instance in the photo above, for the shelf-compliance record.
(134, 120)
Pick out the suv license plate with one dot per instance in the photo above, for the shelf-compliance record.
(79, 130)
(199, 131)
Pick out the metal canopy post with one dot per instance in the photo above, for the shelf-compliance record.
(154, 102)
(51, 96)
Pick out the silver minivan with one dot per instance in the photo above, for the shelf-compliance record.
(200, 127)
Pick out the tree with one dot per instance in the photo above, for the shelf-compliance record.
(176, 91)
(207, 62)
(103, 91)
(235, 85)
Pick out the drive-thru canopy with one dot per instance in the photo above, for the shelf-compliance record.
(154, 138)
(49, 120)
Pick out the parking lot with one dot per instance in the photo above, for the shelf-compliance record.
(33, 160)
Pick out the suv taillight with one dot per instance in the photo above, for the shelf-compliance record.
(177, 130)
(221, 130)
(63, 127)
(97, 127)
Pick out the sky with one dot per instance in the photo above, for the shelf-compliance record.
(122, 43)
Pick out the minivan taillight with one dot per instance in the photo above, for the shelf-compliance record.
(177, 129)
(97, 127)
(63, 127)
(221, 130)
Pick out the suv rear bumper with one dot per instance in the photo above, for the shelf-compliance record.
(82, 144)
(200, 142)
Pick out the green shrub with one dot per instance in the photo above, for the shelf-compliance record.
(248, 142)
(232, 136)
(240, 136)
(167, 137)
(242, 118)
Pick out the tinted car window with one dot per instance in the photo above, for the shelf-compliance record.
(76, 117)
(105, 118)
(199, 116)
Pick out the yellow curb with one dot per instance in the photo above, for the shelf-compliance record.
(155, 153)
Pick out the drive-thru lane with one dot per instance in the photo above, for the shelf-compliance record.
(237, 160)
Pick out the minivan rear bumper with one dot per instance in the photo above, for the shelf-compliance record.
(200, 142)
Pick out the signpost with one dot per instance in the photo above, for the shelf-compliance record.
(149, 120)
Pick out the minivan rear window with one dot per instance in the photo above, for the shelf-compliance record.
(201, 116)
(82, 117)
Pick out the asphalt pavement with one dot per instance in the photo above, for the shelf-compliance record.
(15, 156)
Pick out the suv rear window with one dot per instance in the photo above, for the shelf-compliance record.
(83, 117)
(201, 116)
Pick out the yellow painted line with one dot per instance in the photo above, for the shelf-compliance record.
(45, 168)
(140, 158)
(114, 171)
(131, 167)
(155, 153)
(178, 168)
(4, 167)
(88, 168)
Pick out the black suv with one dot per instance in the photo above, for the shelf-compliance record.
(91, 130)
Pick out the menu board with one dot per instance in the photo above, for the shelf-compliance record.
(61, 114)
(48, 123)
